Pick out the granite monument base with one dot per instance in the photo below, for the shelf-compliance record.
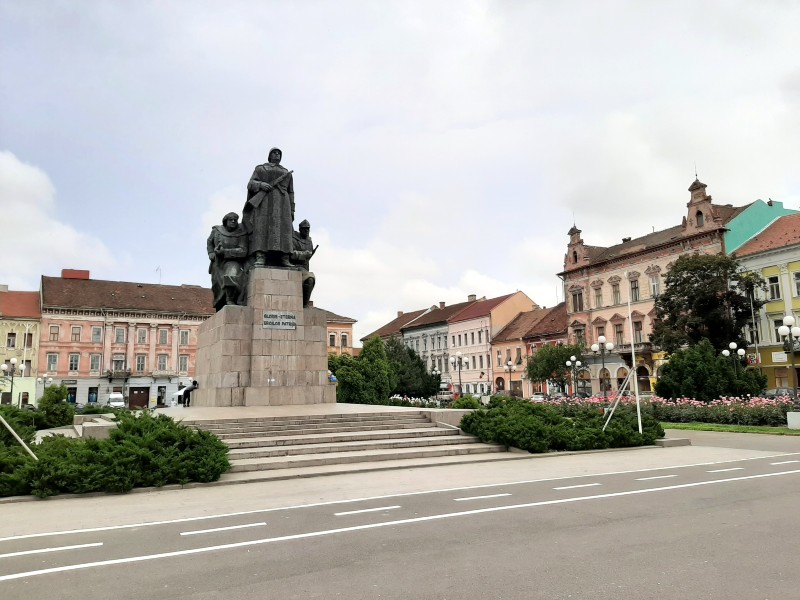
(271, 352)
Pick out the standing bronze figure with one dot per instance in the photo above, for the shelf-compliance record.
(227, 250)
(301, 257)
(269, 212)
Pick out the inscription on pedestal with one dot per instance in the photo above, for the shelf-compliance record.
(279, 320)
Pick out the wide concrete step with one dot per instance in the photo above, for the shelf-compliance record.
(301, 449)
(332, 428)
(366, 467)
(358, 456)
(326, 418)
(354, 436)
(272, 426)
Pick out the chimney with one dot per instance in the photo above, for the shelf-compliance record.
(74, 274)
(472, 298)
(441, 304)
(310, 304)
(3, 287)
(625, 240)
(399, 313)
(769, 202)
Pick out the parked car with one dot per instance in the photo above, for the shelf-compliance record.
(539, 397)
(778, 392)
(116, 400)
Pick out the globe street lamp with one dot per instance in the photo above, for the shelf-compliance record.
(458, 361)
(574, 363)
(791, 334)
(733, 353)
(14, 369)
(510, 368)
(602, 346)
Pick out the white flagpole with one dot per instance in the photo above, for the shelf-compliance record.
(633, 359)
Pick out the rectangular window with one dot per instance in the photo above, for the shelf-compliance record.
(416, 345)
(425, 344)
(480, 361)
(777, 323)
(580, 335)
(508, 355)
(634, 290)
(344, 340)
(183, 363)
(76, 334)
(52, 362)
(499, 359)
(29, 340)
(332, 340)
(472, 338)
(480, 335)
(577, 301)
(119, 335)
(600, 331)
(94, 362)
(11, 340)
(184, 339)
(637, 332)
(141, 362)
(459, 339)
(454, 341)
(655, 286)
(474, 362)
(797, 284)
(97, 335)
(53, 333)
(774, 288)
(619, 335)
(598, 298)
(615, 293)
(73, 361)
(519, 356)
(163, 336)
(162, 362)
(118, 362)
(141, 336)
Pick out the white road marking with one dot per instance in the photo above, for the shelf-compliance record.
(366, 510)
(784, 462)
(480, 497)
(655, 477)
(313, 534)
(572, 487)
(222, 528)
(726, 470)
(382, 497)
(43, 550)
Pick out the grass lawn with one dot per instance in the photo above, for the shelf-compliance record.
(732, 428)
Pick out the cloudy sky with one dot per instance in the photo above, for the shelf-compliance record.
(440, 148)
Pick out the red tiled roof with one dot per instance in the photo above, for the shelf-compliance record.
(20, 305)
(334, 318)
(438, 315)
(783, 232)
(521, 325)
(124, 295)
(393, 327)
(552, 323)
(481, 308)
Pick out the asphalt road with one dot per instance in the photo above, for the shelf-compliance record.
(715, 520)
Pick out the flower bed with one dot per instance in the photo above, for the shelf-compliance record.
(727, 410)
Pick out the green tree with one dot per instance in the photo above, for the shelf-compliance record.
(366, 379)
(409, 375)
(706, 296)
(701, 373)
(53, 408)
(548, 363)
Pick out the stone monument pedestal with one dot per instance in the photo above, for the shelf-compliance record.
(271, 352)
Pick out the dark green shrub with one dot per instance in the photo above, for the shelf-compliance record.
(22, 421)
(53, 409)
(467, 402)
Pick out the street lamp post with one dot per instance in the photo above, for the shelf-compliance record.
(574, 363)
(457, 361)
(44, 382)
(510, 368)
(602, 346)
(733, 353)
(13, 370)
(791, 334)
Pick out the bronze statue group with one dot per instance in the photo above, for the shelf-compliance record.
(265, 237)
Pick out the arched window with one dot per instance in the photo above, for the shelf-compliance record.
(622, 373)
(643, 379)
(699, 219)
(605, 380)
(499, 384)
(574, 256)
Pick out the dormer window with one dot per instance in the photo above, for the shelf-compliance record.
(699, 218)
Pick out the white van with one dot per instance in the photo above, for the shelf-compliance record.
(116, 400)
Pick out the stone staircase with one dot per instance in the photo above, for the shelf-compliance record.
(286, 447)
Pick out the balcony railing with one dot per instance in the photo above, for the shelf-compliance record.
(637, 346)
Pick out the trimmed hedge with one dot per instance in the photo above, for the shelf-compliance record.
(143, 451)
(544, 428)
